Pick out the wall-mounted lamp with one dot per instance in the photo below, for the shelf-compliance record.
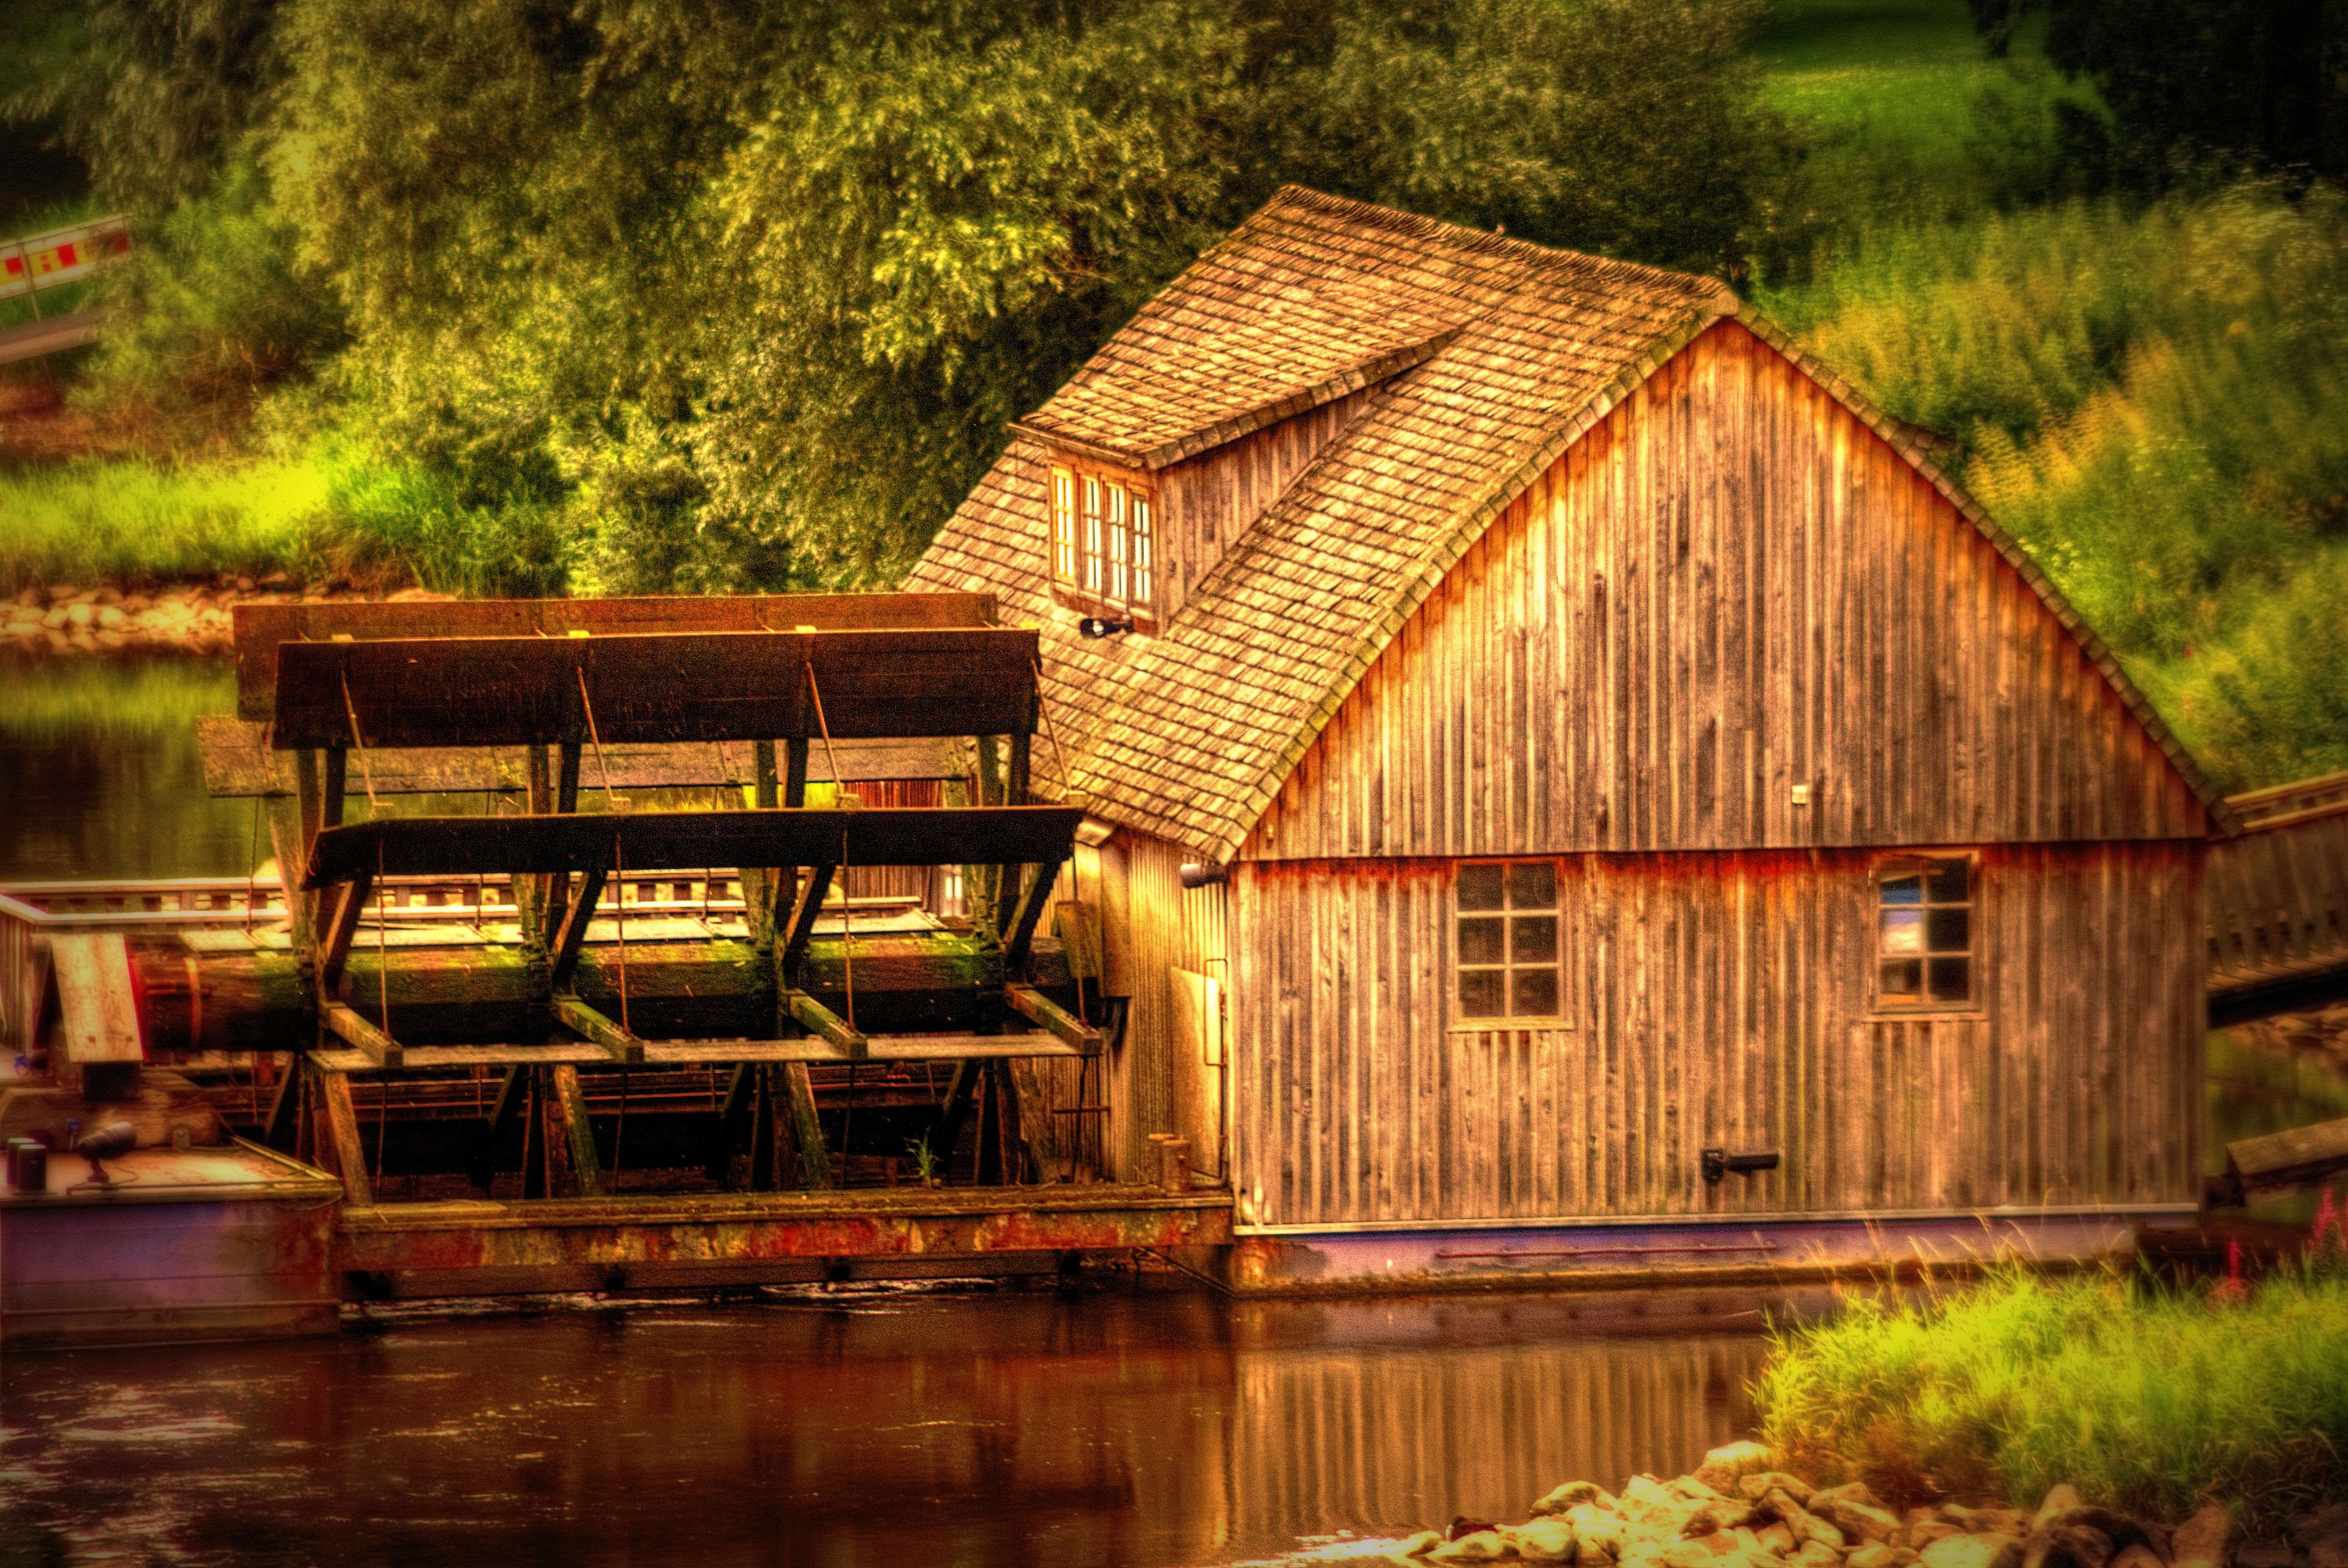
(1094, 627)
(1198, 874)
(1719, 1162)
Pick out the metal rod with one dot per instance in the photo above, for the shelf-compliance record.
(366, 775)
(602, 768)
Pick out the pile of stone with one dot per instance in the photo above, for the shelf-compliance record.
(191, 617)
(1740, 1510)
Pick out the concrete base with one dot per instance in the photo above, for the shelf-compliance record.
(231, 1243)
(1616, 1254)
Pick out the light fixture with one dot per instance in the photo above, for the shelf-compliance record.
(1198, 874)
(1093, 626)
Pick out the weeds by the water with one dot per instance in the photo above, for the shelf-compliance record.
(135, 521)
(2145, 1397)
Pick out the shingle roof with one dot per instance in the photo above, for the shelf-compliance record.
(1495, 356)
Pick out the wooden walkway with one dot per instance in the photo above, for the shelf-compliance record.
(2278, 901)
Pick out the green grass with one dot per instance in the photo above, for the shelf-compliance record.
(2145, 1398)
(110, 699)
(137, 522)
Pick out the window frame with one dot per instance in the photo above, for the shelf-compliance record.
(1460, 1021)
(1919, 864)
(1103, 548)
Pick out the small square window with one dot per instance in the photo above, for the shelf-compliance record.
(1506, 946)
(1924, 933)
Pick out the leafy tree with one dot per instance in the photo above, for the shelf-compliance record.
(2261, 82)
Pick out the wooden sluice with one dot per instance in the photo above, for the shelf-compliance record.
(673, 1042)
(2278, 901)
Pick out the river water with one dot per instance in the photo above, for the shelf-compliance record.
(883, 1428)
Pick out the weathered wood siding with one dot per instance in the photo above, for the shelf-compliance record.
(1206, 502)
(1718, 1000)
(1155, 926)
(1729, 587)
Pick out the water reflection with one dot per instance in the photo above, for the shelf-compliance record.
(103, 776)
(1014, 1429)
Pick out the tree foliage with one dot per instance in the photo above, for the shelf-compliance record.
(744, 292)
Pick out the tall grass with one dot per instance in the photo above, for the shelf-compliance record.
(2146, 1399)
(2154, 399)
(133, 521)
(328, 511)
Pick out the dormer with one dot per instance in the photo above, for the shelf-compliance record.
(1165, 447)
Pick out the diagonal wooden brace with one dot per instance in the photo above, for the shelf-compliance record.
(1049, 1015)
(346, 1025)
(803, 918)
(573, 937)
(821, 1021)
(590, 1025)
(1019, 934)
(341, 925)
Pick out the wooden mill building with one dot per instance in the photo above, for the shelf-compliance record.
(1544, 737)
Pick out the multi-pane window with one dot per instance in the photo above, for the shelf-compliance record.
(1924, 932)
(1104, 549)
(1507, 953)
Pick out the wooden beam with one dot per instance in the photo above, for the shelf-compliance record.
(740, 1089)
(337, 785)
(1054, 1019)
(796, 1091)
(803, 918)
(945, 1130)
(573, 1107)
(260, 628)
(335, 946)
(590, 1025)
(824, 1024)
(566, 788)
(689, 840)
(795, 774)
(422, 692)
(339, 1137)
(810, 1049)
(573, 937)
(340, 1021)
(284, 1110)
(1019, 932)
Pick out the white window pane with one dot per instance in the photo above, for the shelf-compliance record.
(1903, 933)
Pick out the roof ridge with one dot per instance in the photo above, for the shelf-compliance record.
(1460, 237)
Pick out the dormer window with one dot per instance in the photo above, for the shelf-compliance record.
(1103, 545)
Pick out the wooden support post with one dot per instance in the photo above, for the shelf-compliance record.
(804, 912)
(575, 921)
(740, 1087)
(566, 786)
(535, 1173)
(797, 1090)
(795, 772)
(590, 1025)
(762, 1134)
(823, 1023)
(1055, 1020)
(287, 842)
(1016, 791)
(336, 785)
(946, 1130)
(343, 923)
(348, 1027)
(1031, 1115)
(990, 1127)
(1019, 928)
(504, 1114)
(571, 1111)
(338, 1140)
(762, 771)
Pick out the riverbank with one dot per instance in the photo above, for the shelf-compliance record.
(1741, 1509)
(188, 617)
